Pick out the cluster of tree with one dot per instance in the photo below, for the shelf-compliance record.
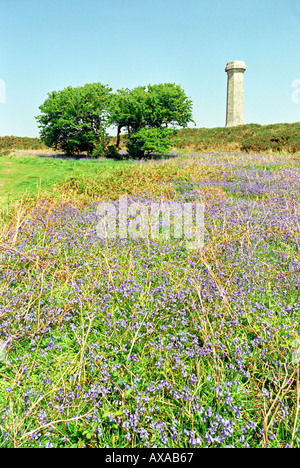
(77, 119)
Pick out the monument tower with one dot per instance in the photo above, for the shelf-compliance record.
(235, 93)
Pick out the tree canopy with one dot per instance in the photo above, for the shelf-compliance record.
(157, 106)
(76, 119)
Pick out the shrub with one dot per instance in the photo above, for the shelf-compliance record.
(112, 153)
(150, 140)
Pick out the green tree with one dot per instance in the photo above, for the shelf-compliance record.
(128, 109)
(76, 119)
(157, 106)
(168, 105)
(150, 140)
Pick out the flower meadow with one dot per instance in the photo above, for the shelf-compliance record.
(141, 343)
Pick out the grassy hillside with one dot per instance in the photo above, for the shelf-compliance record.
(251, 138)
(9, 143)
(141, 342)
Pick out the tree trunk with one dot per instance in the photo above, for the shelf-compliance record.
(118, 136)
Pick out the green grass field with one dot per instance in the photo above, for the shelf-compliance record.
(25, 175)
(141, 342)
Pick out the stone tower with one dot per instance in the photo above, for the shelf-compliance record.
(235, 93)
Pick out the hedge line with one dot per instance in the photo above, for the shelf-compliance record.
(20, 143)
(251, 138)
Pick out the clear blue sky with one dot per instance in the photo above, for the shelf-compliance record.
(47, 45)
